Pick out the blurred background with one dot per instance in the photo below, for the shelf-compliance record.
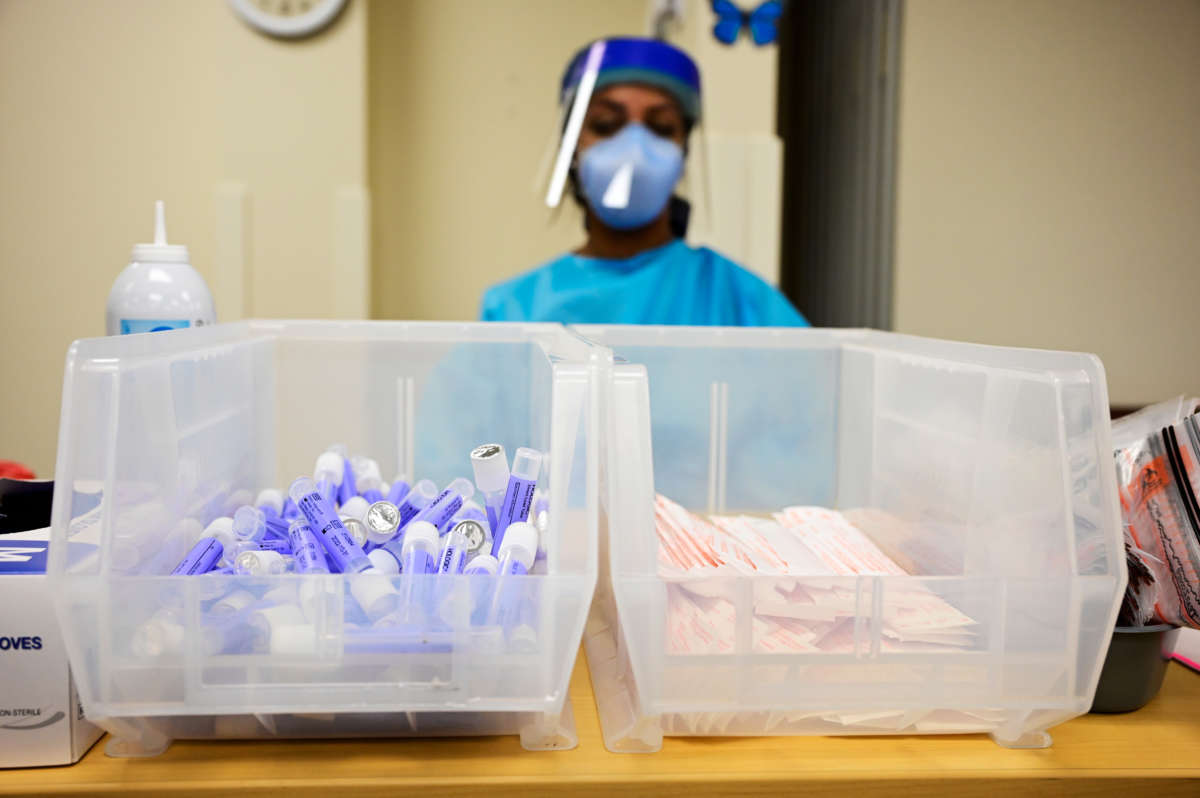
(1017, 172)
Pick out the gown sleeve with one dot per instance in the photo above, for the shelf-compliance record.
(761, 304)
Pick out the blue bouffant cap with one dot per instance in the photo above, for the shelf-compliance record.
(637, 60)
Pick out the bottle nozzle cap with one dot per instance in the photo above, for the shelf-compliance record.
(160, 251)
(160, 224)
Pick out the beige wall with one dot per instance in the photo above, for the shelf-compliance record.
(736, 206)
(462, 107)
(739, 81)
(1049, 182)
(107, 106)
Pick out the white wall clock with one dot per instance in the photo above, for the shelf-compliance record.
(288, 19)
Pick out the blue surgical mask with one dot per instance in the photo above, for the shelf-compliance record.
(628, 178)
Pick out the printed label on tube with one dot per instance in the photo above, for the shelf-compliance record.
(517, 502)
(442, 509)
(466, 539)
(419, 561)
(275, 544)
(305, 547)
(201, 558)
(345, 553)
(408, 511)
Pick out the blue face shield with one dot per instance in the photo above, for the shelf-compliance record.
(628, 178)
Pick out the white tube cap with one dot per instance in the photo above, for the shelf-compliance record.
(355, 507)
(187, 531)
(232, 602)
(374, 592)
(462, 486)
(526, 464)
(301, 487)
(284, 594)
(317, 597)
(424, 492)
(270, 498)
(491, 467)
(523, 639)
(383, 561)
(249, 523)
(294, 639)
(238, 498)
(366, 469)
(483, 564)
(420, 532)
(268, 619)
(221, 529)
(521, 539)
(160, 635)
(331, 466)
(219, 526)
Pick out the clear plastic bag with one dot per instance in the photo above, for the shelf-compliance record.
(1158, 473)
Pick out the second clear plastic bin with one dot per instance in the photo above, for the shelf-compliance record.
(172, 429)
(987, 472)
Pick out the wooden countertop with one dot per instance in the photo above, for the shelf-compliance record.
(1155, 751)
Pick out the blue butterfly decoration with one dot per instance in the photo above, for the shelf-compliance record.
(762, 22)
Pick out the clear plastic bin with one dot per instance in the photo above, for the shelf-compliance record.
(986, 472)
(189, 424)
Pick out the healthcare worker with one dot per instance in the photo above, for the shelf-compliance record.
(635, 267)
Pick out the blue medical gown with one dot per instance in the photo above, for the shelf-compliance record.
(673, 284)
(480, 393)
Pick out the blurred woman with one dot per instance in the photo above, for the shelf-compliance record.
(635, 267)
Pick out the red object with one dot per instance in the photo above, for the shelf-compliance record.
(13, 470)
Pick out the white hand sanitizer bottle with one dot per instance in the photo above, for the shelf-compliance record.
(158, 290)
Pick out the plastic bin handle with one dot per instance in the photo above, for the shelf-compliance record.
(630, 490)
